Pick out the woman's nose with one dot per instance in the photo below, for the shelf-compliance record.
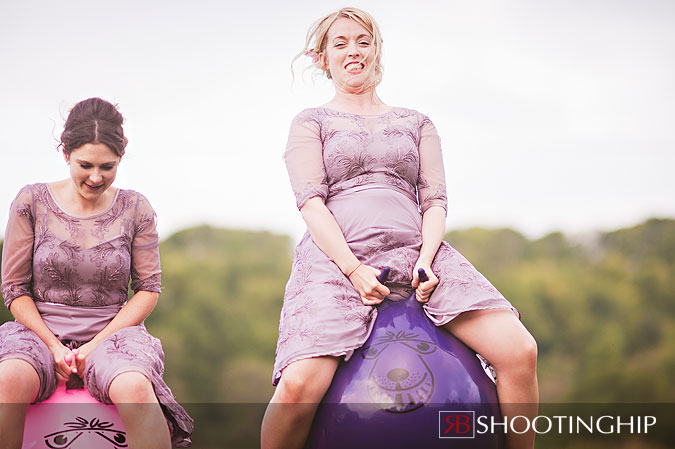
(95, 177)
(353, 49)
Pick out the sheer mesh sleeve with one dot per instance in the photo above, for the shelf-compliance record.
(431, 182)
(304, 158)
(145, 267)
(17, 250)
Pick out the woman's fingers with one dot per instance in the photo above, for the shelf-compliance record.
(372, 292)
(424, 287)
(71, 361)
(423, 292)
(65, 363)
(375, 294)
(381, 290)
(62, 370)
(422, 298)
(371, 301)
(81, 359)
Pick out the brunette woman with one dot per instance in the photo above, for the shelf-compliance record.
(70, 249)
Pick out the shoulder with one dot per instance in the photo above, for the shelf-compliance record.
(314, 115)
(28, 192)
(24, 199)
(129, 194)
(140, 210)
(307, 123)
(419, 123)
(418, 117)
(29, 189)
(127, 198)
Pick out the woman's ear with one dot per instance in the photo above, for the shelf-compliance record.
(324, 64)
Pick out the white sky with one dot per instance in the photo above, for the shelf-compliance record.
(554, 115)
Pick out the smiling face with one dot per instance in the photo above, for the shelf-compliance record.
(93, 168)
(349, 55)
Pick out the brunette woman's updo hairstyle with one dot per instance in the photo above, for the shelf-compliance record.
(94, 121)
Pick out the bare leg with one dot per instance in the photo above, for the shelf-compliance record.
(501, 338)
(141, 414)
(290, 413)
(19, 385)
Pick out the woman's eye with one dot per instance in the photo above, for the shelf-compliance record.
(85, 165)
(107, 167)
(364, 43)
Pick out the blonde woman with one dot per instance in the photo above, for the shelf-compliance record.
(369, 183)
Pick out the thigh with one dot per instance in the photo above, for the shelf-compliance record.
(496, 334)
(129, 349)
(19, 342)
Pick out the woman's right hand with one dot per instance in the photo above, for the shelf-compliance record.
(364, 278)
(62, 367)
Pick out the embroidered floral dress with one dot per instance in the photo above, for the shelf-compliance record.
(77, 271)
(377, 175)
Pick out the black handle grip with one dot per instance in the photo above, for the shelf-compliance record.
(422, 275)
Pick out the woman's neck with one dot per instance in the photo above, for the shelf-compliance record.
(366, 103)
(75, 204)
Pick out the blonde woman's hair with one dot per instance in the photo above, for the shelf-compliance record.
(316, 40)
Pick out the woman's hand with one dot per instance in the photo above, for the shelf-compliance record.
(81, 356)
(423, 290)
(64, 362)
(365, 280)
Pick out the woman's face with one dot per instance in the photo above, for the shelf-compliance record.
(349, 55)
(93, 168)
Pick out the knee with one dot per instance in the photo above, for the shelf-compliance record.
(296, 388)
(522, 358)
(18, 381)
(528, 352)
(131, 387)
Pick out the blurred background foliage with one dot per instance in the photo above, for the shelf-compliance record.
(601, 307)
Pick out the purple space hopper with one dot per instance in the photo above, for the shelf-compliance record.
(411, 385)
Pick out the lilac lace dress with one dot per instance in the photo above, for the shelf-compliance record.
(377, 175)
(77, 271)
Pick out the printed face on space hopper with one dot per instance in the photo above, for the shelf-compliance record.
(400, 380)
(84, 434)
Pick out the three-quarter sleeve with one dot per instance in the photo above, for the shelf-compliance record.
(145, 267)
(17, 249)
(304, 159)
(431, 189)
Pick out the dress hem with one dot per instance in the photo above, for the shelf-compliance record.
(447, 317)
(347, 353)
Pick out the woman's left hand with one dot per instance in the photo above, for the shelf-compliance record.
(423, 290)
(82, 355)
